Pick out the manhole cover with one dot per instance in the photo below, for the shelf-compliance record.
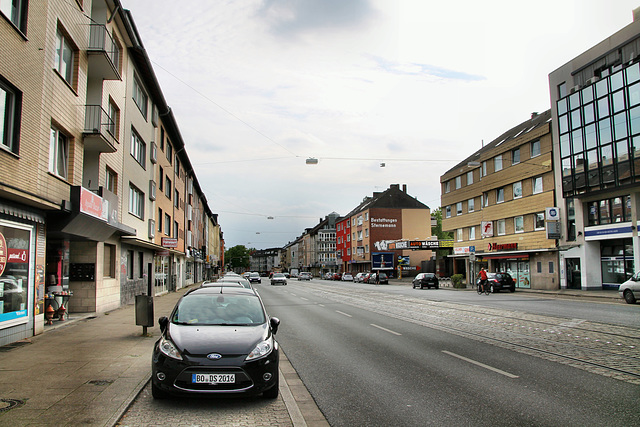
(100, 382)
(7, 404)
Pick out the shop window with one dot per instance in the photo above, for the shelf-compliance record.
(109, 262)
(14, 282)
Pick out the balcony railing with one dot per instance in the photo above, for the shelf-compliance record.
(99, 130)
(107, 63)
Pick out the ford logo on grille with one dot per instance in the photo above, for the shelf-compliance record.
(214, 356)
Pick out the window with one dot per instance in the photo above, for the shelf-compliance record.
(539, 221)
(58, 153)
(537, 185)
(472, 233)
(136, 202)
(140, 98)
(497, 163)
(129, 264)
(139, 149)
(485, 200)
(176, 169)
(535, 148)
(517, 190)
(114, 119)
(501, 227)
(515, 156)
(10, 108)
(167, 187)
(447, 186)
(366, 249)
(111, 180)
(459, 234)
(518, 223)
(169, 152)
(175, 229)
(470, 205)
(176, 198)
(64, 57)
(366, 232)
(109, 262)
(484, 169)
(140, 265)
(15, 11)
(159, 220)
(459, 208)
(469, 177)
(500, 195)
(359, 235)
(448, 212)
(366, 216)
(458, 182)
(167, 224)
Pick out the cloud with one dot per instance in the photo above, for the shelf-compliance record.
(415, 69)
(289, 18)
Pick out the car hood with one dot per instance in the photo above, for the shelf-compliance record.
(226, 340)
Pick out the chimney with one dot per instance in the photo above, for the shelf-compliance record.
(404, 188)
(534, 115)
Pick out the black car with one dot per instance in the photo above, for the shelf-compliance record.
(217, 340)
(499, 281)
(255, 278)
(427, 280)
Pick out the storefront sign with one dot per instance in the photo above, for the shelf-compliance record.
(503, 246)
(91, 204)
(169, 242)
(3, 253)
(461, 250)
(553, 230)
(552, 214)
(382, 260)
(418, 244)
(403, 260)
(487, 228)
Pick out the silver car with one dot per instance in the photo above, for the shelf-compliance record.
(630, 290)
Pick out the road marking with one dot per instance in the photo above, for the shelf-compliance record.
(303, 298)
(344, 314)
(506, 374)
(385, 329)
(320, 305)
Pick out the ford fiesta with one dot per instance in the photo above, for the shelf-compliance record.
(216, 341)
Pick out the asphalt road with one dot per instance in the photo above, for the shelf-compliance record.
(390, 356)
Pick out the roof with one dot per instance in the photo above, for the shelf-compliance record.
(535, 122)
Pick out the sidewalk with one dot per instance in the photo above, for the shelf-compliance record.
(560, 293)
(88, 370)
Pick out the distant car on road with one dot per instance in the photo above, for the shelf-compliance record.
(428, 280)
(255, 278)
(630, 290)
(305, 276)
(278, 279)
(499, 281)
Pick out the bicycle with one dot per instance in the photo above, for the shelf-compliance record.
(483, 287)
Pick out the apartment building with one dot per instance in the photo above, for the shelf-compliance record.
(367, 235)
(498, 203)
(81, 111)
(595, 104)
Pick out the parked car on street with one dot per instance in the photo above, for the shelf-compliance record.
(305, 275)
(237, 279)
(278, 279)
(499, 281)
(255, 278)
(359, 277)
(216, 341)
(630, 290)
(336, 276)
(428, 280)
(347, 277)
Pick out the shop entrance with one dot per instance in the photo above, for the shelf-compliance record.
(161, 274)
(574, 279)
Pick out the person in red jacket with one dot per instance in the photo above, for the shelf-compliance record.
(483, 277)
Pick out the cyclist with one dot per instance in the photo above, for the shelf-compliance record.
(483, 278)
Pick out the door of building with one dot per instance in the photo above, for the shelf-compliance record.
(574, 276)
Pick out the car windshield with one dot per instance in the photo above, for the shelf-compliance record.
(237, 310)
(278, 275)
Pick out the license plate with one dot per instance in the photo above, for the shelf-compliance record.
(213, 378)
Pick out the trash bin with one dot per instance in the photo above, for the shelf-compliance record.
(144, 310)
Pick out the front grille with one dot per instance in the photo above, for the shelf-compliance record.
(183, 380)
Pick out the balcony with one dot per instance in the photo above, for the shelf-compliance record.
(99, 130)
(104, 54)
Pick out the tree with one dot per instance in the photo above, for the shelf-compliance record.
(437, 231)
(237, 257)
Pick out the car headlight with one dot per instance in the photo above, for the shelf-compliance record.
(261, 350)
(169, 349)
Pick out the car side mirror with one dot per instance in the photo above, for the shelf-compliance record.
(275, 322)
(163, 322)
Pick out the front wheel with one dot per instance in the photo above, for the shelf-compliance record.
(488, 289)
(479, 289)
(628, 297)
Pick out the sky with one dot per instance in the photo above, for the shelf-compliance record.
(259, 86)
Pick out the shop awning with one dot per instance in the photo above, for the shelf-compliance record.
(21, 212)
(503, 256)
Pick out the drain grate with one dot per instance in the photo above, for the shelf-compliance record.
(8, 404)
(100, 382)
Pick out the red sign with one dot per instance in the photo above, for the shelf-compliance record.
(503, 246)
(90, 203)
(17, 255)
(3, 254)
(169, 242)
